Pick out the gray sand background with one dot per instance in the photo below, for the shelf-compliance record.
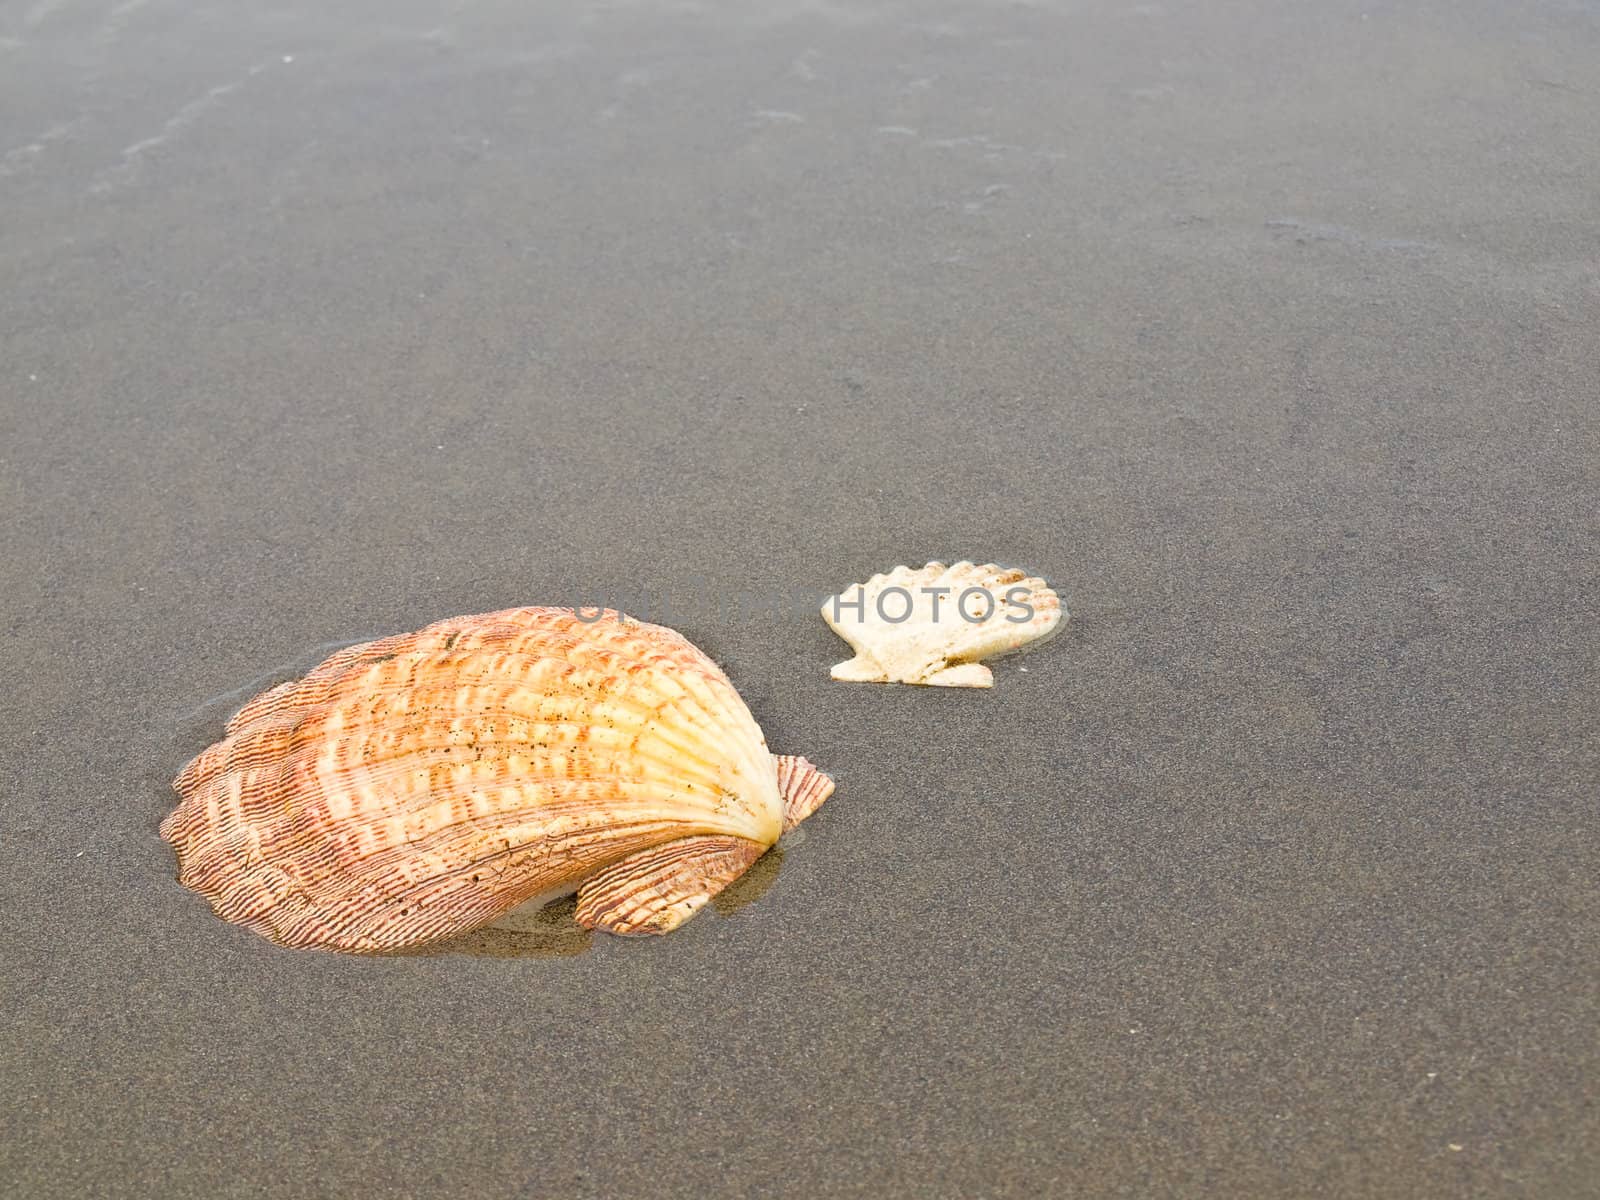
(1270, 332)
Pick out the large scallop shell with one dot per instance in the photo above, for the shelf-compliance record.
(419, 786)
(932, 624)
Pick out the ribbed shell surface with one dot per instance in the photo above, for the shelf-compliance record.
(421, 785)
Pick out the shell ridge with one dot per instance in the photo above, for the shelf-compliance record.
(316, 717)
(649, 746)
(549, 827)
(260, 890)
(527, 877)
(656, 890)
(802, 787)
(301, 839)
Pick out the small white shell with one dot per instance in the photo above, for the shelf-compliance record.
(932, 624)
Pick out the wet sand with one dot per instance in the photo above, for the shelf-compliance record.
(1268, 332)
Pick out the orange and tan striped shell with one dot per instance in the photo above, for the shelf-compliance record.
(423, 785)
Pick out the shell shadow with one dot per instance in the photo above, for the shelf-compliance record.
(552, 932)
(752, 885)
